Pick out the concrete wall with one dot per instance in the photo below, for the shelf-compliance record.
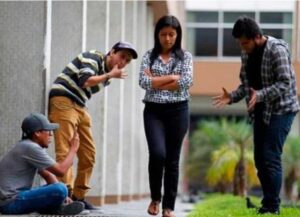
(21, 66)
(37, 40)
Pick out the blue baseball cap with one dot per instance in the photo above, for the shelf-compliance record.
(35, 122)
(126, 45)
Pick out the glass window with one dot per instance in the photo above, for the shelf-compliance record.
(231, 17)
(203, 42)
(203, 28)
(230, 46)
(285, 34)
(276, 17)
(203, 16)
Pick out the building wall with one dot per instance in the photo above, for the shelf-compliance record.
(21, 60)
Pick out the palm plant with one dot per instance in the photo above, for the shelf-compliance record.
(225, 150)
(240, 133)
(225, 168)
(207, 137)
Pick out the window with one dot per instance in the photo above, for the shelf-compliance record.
(204, 17)
(278, 25)
(230, 46)
(203, 33)
(209, 32)
(275, 17)
(205, 41)
(231, 17)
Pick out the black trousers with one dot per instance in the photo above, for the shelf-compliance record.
(165, 128)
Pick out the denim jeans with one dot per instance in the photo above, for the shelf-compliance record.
(41, 199)
(268, 145)
(165, 128)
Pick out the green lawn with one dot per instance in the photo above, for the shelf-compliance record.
(231, 206)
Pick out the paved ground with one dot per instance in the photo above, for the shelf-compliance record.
(138, 209)
(128, 209)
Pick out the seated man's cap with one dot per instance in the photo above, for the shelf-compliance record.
(126, 45)
(35, 122)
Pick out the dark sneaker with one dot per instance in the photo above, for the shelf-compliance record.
(87, 205)
(265, 210)
(73, 208)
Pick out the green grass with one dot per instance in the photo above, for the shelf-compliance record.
(231, 206)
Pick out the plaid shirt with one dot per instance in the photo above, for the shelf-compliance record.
(173, 66)
(279, 92)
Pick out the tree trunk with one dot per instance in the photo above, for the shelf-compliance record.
(239, 181)
(236, 181)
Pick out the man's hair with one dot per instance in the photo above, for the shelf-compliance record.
(246, 27)
(29, 136)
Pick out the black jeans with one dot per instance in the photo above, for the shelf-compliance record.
(268, 144)
(165, 128)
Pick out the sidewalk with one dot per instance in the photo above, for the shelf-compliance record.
(139, 209)
(126, 209)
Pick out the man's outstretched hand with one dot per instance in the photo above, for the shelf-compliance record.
(221, 100)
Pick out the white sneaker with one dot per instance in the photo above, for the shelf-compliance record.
(98, 210)
(85, 212)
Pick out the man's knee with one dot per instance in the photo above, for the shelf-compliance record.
(60, 189)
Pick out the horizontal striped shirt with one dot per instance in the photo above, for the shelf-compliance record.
(70, 82)
(279, 90)
(159, 68)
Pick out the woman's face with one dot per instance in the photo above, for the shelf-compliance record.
(167, 37)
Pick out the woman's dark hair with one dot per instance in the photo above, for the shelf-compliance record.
(246, 27)
(167, 21)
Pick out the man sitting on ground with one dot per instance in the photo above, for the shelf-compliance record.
(28, 157)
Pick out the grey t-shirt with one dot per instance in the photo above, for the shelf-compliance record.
(19, 166)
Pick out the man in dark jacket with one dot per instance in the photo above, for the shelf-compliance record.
(269, 85)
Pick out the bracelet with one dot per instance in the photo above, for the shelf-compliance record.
(107, 76)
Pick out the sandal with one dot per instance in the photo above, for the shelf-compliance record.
(153, 208)
(168, 213)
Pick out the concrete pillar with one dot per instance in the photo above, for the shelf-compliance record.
(66, 39)
(141, 151)
(113, 162)
(22, 26)
(96, 40)
(128, 111)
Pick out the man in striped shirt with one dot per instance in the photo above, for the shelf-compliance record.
(268, 84)
(81, 78)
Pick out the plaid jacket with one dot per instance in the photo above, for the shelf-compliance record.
(279, 92)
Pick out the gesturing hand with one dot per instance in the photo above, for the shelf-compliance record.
(253, 99)
(221, 100)
(117, 73)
